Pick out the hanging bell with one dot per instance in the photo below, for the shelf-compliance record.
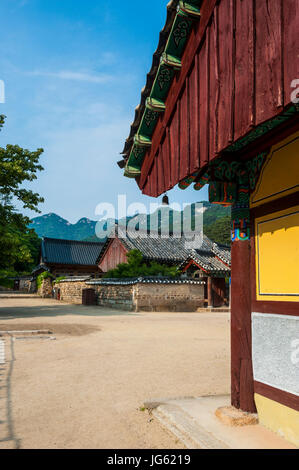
(165, 200)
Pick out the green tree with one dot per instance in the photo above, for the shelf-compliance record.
(2, 119)
(219, 231)
(136, 267)
(18, 243)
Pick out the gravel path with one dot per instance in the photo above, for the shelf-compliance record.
(86, 389)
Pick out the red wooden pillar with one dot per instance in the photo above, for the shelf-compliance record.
(210, 292)
(242, 392)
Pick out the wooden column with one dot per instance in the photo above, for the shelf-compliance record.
(219, 288)
(210, 292)
(242, 392)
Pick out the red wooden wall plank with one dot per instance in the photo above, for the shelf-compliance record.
(214, 85)
(174, 146)
(290, 46)
(236, 73)
(165, 163)
(184, 134)
(167, 160)
(244, 69)
(154, 177)
(148, 186)
(160, 172)
(192, 46)
(204, 116)
(226, 73)
(115, 254)
(269, 93)
(193, 108)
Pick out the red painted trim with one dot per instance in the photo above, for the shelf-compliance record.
(196, 264)
(273, 137)
(276, 308)
(277, 205)
(225, 264)
(280, 396)
(187, 266)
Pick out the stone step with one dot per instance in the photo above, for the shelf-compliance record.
(195, 422)
(186, 428)
(214, 310)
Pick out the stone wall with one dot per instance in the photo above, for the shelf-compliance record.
(45, 291)
(71, 290)
(33, 286)
(168, 297)
(138, 295)
(25, 285)
(119, 297)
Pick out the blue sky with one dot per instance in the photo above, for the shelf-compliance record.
(73, 73)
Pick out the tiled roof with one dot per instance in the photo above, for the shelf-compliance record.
(212, 257)
(40, 267)
(173, 250)
(223, 253)
(143, 280)
(70, 252)
(169, 249)
(208, 262)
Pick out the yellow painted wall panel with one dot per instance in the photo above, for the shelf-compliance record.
(278, 418)
(277, 256)
(280, 174)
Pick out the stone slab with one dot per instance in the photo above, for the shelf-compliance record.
(194, 423)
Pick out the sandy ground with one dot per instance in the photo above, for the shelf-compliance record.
(86, 388)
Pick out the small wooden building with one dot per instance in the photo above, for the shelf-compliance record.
(210, 263)
(69, 258)
(220, 107)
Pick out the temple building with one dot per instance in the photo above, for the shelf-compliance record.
(220, 107)
(66, 258)
(210, 262)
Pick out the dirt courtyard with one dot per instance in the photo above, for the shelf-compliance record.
(85, 387)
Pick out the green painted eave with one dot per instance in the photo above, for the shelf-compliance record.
(189, 8)
(170, 63)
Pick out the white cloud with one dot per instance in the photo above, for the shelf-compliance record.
(70, 75)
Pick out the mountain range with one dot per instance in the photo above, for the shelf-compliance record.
(53, 226)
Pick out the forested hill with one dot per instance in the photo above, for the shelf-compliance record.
(54, 226)
(216, 225)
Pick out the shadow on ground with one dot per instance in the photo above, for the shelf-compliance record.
(7, 428)
(9, 313)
